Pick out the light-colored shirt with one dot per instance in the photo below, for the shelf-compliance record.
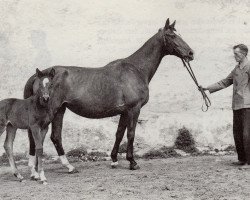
(240, 78)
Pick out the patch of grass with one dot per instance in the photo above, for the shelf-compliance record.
(230, 148)
(98, 154)
(163, 152)
(82, 154)
(185, 141)
(77, 152)
(18, 157)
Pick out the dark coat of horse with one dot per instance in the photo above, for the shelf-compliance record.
(31, 113)
(119, 88)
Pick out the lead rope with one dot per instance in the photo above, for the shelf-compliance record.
(206, 100)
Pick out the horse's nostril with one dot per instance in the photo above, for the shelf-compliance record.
(46, 98)
(191, 53)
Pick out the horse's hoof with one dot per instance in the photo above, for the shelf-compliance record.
(20, 177)
(114, 164)
(134, 167)
(22, 180)
(33, 178)
(45, 182)
(73, 171)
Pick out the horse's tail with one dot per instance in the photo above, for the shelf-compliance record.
(28, 88)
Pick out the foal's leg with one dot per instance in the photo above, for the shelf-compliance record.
(56, 138)
(119, 135)
(8, 146)
(32, 157)
(38, 138)
(133, 115)
(43, 133)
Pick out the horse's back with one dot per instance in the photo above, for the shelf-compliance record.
(101, 92)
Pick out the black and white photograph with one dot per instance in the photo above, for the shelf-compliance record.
(124, 100)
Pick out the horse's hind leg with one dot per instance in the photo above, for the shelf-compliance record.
(8, 146)
(119, 135)
(56, 138)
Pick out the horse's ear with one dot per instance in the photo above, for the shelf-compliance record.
(167, 24)
(39, 74)
(52, 73)
(172, 26)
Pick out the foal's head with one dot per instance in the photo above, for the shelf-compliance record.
(42, 86)
(174, 44)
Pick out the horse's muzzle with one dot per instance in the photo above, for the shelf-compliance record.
(190, 56)
(46, 97)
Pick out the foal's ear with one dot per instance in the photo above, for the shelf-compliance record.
(167, 24)
(172, 26)
(52, 73)
(39, 74)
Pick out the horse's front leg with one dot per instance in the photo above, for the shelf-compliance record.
(119, 135)
(56, 138)
(133, 115)
(8, 146)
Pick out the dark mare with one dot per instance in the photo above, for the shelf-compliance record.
(31, 113)
(119, 88)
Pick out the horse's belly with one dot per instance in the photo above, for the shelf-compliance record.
(96, 110)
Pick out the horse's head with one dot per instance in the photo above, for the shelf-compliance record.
(43, 85)
(174, 44)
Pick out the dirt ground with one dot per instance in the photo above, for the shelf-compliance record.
(204, 177)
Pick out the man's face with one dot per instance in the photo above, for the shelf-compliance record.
(238, 55)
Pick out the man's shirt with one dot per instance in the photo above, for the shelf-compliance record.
(240, 78)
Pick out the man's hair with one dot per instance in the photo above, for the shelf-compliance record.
(243, 48)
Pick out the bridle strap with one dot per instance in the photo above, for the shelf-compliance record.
(206, 101)
(165, 41)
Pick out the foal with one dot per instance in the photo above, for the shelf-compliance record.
(32, 114)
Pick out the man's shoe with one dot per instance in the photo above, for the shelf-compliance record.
(239, 163)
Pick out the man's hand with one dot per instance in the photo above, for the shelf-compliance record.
(203, 88)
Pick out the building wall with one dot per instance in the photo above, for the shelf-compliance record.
(92, 33)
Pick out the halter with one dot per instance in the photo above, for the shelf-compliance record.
(164, 40)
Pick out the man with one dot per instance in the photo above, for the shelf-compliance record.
(240, 78)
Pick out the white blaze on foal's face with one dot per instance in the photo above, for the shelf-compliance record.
(45, 81)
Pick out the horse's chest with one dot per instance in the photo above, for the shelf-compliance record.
(41, 119)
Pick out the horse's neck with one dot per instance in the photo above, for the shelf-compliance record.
(148, 57)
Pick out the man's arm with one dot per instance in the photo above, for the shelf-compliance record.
(221, 84)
